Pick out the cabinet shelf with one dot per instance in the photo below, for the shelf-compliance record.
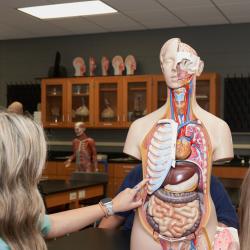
(108, 90)
(137, 89)
(201, 97)
(75, 94)
(54, 95)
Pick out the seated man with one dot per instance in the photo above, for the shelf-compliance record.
(225, 211)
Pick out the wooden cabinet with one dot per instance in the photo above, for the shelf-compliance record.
(207, 92)
(117, 173)
(66, 101)
(57, 170)
(114, 101)
(108, 102)
(137, 97)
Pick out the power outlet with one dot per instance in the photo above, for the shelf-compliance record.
(81, 194)
(72, 196)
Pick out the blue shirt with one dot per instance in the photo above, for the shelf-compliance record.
(225, 210)
(45, 228)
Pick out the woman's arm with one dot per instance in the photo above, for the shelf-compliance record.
(73, 220)
(76, 219)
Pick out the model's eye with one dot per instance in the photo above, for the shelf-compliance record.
(184, 62)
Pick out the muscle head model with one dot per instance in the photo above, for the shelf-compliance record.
(177, 145)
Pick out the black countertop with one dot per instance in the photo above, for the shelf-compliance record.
(47, 187)
(94, 239)
(123, 158)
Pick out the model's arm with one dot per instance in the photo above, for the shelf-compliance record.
(93, 153)
(132, 143)
(223, 150)
(73, 156)
(73, 220)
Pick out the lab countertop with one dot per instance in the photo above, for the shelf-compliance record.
(123, 158)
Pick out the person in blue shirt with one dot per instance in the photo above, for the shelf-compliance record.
(23, 222)
(225, 211)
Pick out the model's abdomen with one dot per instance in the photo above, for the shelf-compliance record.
(176, 201)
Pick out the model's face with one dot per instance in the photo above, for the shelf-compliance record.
(173, 67)
(79, 130)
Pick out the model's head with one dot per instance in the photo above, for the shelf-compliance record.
(244, 213)
(179, 63)
(79, 128)
(22, 158)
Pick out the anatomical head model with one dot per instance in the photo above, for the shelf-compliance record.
(130, 64)
(79, 66)
(92, 66)
(118, 65)
(105, 65)
(177, 154)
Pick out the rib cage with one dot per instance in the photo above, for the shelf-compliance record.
(161, 153)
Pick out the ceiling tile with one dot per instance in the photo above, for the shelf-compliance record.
(221, 2)
(131, 5)
(170, 4)
(24, 3)
(77, 25)
(236, 11)
(115, 22)
(156, 19)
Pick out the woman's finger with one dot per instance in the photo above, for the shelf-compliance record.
(136, 204)
(140, 185)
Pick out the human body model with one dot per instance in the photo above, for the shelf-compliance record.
(130, 64)
(92, 66)
(79, 66)
(118, 65)
(84, 150)
(177, 145)
(105, 65)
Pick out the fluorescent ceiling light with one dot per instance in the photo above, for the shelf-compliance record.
(68, 9)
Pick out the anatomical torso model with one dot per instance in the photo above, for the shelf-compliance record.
(177, 145)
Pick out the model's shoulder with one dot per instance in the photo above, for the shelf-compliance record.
(212, 120)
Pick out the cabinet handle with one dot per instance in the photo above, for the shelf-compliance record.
(68, 117)
(118, 118)
(124, 117)
(63, 118)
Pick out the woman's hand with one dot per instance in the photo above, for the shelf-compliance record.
(129, 198)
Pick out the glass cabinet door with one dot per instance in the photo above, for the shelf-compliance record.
(160, 92)
(137, 99)
(202, 93)
(108, 101)
(207, 92)
(53, 102)
(81, 103)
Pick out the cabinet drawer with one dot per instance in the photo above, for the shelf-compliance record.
(121, 170)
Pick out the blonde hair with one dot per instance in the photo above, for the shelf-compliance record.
(22, 158)
(244, 213)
